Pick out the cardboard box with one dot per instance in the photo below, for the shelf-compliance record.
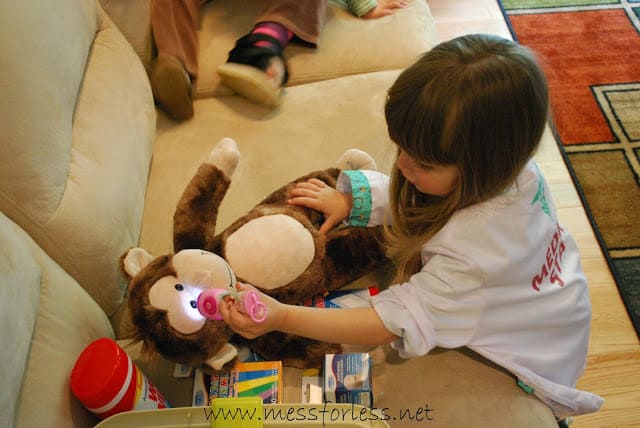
(250, 379)
(353, 298)
(311, 391)
(347, 379)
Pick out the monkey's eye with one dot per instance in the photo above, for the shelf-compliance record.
(179, 287)
(193, 304)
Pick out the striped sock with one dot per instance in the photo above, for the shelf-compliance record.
(273, 29)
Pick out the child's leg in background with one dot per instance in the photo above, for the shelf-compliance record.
(256, 68)
(304, 18)
(278, 31)
(174, 24)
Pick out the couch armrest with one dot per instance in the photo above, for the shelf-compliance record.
(46, 320)
(77, 126)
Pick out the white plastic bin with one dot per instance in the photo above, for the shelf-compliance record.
(273, 416)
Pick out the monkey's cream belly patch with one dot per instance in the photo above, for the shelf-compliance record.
(270, 251)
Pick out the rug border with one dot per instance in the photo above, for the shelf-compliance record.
(635, 321)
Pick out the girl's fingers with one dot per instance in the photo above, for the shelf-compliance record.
(312, 184)
(238, 321)
(316, 182)
(225, 311)
(305, 202)
(304, 185)
(303, 192)
(243, 286)
(326, 227)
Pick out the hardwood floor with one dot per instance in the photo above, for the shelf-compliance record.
(613, 370)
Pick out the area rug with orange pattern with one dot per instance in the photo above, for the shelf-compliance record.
(591, 53)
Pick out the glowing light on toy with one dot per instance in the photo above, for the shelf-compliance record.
(210, 300)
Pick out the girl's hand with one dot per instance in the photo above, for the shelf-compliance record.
(384, 8)
(317, 195)
(240, 322)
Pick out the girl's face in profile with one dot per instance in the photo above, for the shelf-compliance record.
(431, 179)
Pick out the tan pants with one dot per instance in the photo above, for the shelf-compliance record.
(175, 24)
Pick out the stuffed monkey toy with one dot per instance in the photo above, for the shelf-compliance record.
(276, 247)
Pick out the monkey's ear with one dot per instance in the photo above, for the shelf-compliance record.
(134, 260)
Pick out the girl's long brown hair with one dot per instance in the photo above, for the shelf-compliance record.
(478, 102)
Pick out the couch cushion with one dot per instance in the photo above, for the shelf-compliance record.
(19, 294)
(452, 380)
(275, 146)
(77, 124)
(46, 320)
(447, 388)
(348, 45)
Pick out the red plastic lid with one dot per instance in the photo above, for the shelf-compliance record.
(99, 373)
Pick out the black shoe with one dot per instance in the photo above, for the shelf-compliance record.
(246, 69)
(171, 86)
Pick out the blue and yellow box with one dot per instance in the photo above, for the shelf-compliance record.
(347, 379)
(251, 379)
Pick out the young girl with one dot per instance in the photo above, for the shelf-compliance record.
(481, 259)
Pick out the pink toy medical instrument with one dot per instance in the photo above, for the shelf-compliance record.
(209, 302)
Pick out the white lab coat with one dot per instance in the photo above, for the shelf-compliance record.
(502, 278)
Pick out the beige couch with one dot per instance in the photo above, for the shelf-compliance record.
(88, 169)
